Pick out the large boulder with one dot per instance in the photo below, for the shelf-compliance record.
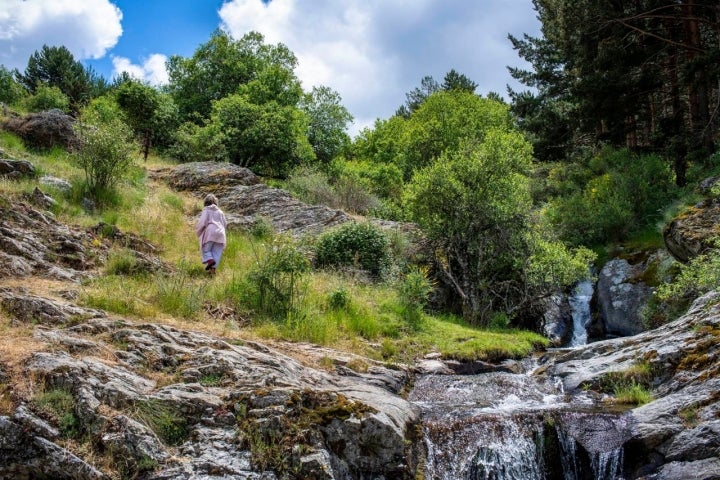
(692, 232)
(44, 129)
(621, 295)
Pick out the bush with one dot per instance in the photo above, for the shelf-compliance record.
(276, 284)
(414, 290)
(618, 193)
(105, 154)
(359, 245)
(47, 98)
(312, 186)
(198, 144)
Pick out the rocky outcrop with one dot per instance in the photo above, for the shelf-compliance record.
(557, 322)
(15, 169)
(32, 242)
(206, 177)
(161, 402)
(692, 233)
(245, 199)
(678, 430)
(44, 129)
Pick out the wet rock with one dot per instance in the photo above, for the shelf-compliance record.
(15, 169)
(680, 426)
(707, 469)
(692, 232)
(695, 444)
(621, 297)
(557, 319)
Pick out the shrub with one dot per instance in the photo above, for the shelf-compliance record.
(699, 276)
(276, 283)
(354, 196)
(359, 245)
(338, 298)
(47, 98)
(104, 154)
(617, 194)
(312, 186)
(198, 144)
(414, 291)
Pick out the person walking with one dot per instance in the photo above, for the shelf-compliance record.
(211, 233)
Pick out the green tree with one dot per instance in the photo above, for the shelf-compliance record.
(269, 138)
(47, 98)
(415, 97)
(457, 81)
(10, 90)
(641, 74)
(56, 67)
(328, 121)
(220, 66)
(444, 120)
(475, 207)
(140, 102)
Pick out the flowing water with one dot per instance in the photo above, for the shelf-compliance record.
(581, 314)
(505, 426)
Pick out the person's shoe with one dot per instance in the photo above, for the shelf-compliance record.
(210, 264)
(212, 271)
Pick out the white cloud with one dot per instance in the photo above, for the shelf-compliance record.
(88, 28)
(152, 70)
(374, 51)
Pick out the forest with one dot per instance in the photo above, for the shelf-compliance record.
(516, 199)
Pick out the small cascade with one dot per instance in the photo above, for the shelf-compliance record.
(580, 308)
(503, 426)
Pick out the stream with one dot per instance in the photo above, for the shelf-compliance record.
(519, 426)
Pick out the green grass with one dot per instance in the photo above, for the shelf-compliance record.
(632, 394)
(335, 309)
(60, 404)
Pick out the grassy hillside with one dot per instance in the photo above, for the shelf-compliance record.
(333, 308)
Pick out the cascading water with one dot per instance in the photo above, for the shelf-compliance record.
(580, 308)
(505, 426)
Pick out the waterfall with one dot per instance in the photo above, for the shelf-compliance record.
(580, 308)
(504, 426)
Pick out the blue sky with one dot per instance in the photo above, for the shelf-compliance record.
(370, 51)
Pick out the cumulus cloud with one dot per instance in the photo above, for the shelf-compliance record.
(373, 52)
(88, 28)
(152, 69)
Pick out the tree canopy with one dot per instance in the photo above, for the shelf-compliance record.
(640, 74)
